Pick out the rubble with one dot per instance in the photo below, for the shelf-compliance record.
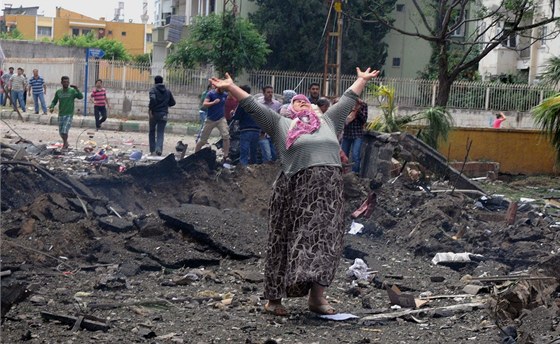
(172, 250)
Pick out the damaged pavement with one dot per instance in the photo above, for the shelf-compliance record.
(172, 251)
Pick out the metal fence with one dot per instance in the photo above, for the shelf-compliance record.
(418, 93)
(115, 74)
(411, 93)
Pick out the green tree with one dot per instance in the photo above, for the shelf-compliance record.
(230, 43)
(547, 117)
(437, 120)
(552, 71)
(294, 31)
(483, 29)
(12, 34)
(113, 49)
(142, 58)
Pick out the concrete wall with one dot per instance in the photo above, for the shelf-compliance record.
(30, 49)
(517, 151)
(134, 105)
(473, 118)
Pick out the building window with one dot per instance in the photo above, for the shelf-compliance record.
(148, 37)
(543, 33)
(396, 61)
(511, 40)
(123, 33)
(85, 31)
(460, 30)
(75, 32)
(400, 7)
(44, 31)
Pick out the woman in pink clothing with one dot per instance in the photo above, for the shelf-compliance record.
(499, 119)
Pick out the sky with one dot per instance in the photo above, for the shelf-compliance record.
(90, 8)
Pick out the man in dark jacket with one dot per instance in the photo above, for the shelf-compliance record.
(160, 101)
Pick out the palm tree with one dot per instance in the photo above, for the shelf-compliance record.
(547, 117)
(552, 72)
(438, 121)
(547, 114)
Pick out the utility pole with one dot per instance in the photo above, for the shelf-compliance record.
(333, 51)
(229, 5)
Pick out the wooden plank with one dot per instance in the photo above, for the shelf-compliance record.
(88, 324)
(465, 307)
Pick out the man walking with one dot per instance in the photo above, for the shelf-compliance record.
(215, 103)
(100, 103)
(17, 87)
(354, 132)
(267, 147)
(160, 100)
(39, 88)
(5, 84)
(65, 97)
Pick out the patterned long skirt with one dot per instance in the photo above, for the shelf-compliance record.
(306, 229)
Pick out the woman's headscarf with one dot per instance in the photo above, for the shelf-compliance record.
(303, 122)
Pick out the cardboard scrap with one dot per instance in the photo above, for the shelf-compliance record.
(403, 299)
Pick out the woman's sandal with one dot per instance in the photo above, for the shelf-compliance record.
(325, 309)
(278, 310)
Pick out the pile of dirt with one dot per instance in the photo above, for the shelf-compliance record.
(172, 251)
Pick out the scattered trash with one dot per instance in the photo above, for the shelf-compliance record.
(339, 316)
(366, 209)
(135, 155)
(404, 300)
(450, 257)
(98, 157)
(355, 228)
(359, 270)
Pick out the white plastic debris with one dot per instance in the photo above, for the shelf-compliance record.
(450, 257)
(338, 316)
(356, 228)
(358, 270)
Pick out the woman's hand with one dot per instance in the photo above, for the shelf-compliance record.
(368, 74)
(224, 84)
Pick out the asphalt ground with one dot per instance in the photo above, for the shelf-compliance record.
(118, 133)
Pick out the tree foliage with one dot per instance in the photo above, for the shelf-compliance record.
(12, 34)
(143, 58)
(113, 49)
(295, 31)
(547, 117)
(230, 43)
(552, 71)
(437, 120)
(437, 22)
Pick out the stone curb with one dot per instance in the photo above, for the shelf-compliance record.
(79, 121)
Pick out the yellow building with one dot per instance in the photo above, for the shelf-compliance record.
(136, 38)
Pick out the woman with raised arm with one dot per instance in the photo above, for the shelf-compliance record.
(306, 223)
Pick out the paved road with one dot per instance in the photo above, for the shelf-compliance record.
(119, 134)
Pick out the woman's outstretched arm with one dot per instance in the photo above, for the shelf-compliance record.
(362, 79)
(228, 85)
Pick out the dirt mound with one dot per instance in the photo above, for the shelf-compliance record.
(173, 251)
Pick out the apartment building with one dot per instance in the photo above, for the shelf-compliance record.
(136, 37)
(524, 53)
(172, 17)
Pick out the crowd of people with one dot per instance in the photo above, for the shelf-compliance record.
(255, 145)
(16, 87)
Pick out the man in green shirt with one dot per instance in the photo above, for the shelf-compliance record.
(65, 97)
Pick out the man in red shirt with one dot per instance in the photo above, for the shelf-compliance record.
(100, 103)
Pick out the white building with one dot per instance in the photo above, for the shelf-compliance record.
(173, 16)
(526, 53)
